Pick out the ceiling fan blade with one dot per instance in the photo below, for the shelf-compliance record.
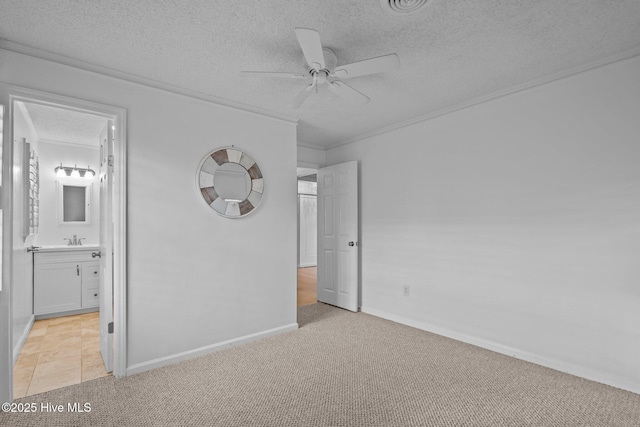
(381, 64)
(302, 95)
(348, 93)
(311, 47)
(273, 74)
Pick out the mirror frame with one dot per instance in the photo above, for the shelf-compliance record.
(206, 171)
(88, 190)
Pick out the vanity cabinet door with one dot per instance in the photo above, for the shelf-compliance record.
(57, 287)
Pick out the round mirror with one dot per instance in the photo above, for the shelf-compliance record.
(230, 182)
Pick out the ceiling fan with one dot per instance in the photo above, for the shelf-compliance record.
(322, 70)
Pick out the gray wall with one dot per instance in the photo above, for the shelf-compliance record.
(516, 224)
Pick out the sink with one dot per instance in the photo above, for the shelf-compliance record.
(50, 248)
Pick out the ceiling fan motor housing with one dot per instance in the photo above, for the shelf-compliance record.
(330, 61)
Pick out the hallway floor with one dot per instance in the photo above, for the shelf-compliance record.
(59, 352)
(307, 277)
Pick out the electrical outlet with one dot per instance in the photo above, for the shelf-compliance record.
(405, 290)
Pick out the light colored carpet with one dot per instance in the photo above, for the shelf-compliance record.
(343, 369)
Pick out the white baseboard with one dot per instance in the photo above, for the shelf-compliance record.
(66, 313)
(558, 365)
(23, 339)
(186, 355)
(309, 264)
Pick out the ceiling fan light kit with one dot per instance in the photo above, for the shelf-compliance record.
(323, 70)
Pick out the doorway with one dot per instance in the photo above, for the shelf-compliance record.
(61, 217)
(307, 236)
(60, 144)
(338, 261)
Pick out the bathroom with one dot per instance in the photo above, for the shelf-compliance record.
(58, 154)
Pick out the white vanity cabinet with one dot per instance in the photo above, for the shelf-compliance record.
(65, 280)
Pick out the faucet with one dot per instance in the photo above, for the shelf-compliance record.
(75, 241)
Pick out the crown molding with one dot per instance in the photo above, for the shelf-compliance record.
(95, 146)
(27, 117)
(628, 54)
(310, 146)
(133, 78)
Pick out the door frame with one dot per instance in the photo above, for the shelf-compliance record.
(119, 116)
(317, 166)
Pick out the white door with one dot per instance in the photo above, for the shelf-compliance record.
(338, 235)
(106, 246)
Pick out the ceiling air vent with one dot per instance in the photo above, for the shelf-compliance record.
(402, 7)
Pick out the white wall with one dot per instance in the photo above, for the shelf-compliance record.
(22, 271)
(195, 279)
(516, 224)
(311, 157)
(51, 154)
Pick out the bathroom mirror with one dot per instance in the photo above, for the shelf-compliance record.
(74, 202)
(230, 182)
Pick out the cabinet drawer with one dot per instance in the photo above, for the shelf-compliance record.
(90, 274)
(90, 297)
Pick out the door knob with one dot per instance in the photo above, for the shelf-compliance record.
(96, 254)
(353, 243)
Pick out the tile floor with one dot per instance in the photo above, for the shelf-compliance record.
(59, 352)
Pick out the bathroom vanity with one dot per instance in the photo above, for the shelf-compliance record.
(65, 280)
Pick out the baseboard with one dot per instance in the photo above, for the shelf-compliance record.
(169, 360)
(558, 365)
(311, 264)
(23, 339)
(67, 313)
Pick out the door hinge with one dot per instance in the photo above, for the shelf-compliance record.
(110, 160)
(110, 327)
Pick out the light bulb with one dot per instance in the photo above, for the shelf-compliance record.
(75, 173)
(61, 173)
(88, 174)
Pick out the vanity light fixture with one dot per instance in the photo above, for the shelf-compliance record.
(60, 171)
(74, 172)
(87, 173)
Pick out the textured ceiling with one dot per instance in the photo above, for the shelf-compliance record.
(57, 124)
(451, 52)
